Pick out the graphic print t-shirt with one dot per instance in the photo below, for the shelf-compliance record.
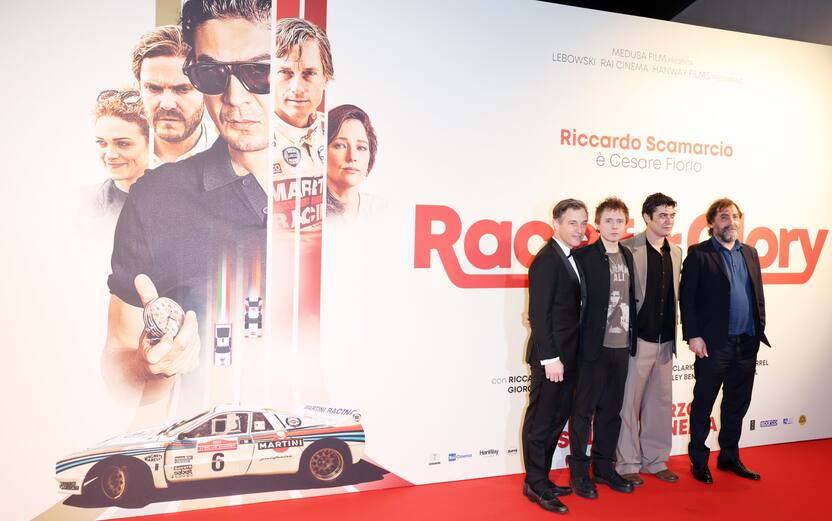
(618, 311)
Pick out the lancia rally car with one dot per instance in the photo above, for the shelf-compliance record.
(254, 316)
(222, 344)
(226, 441)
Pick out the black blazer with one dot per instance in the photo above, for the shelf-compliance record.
(705, 293)
(555, 297)
(595, 265)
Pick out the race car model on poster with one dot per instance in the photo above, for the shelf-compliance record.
(226, 441)
(222, 344)
(254, 316)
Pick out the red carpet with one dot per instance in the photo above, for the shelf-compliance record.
(785, 492)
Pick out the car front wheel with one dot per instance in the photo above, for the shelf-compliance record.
(121, 482)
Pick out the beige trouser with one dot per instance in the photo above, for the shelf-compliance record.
(646, 435)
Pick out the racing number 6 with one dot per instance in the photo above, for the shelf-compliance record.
(217, 463)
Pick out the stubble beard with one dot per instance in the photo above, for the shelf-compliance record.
(190, 125)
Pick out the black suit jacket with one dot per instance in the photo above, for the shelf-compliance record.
(705, 293)
(595, 265)
(555, 296)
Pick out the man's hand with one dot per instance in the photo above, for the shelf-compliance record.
(170, 355)
(697, 345)
(554, 371)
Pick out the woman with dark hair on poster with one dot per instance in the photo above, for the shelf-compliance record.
(121, 136)
(351, 154)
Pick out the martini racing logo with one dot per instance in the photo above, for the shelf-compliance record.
(291, 155)
(280, 444)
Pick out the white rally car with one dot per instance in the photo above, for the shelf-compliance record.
(226, 441)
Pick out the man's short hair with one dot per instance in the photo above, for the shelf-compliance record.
(653, 201)
(116, 107)
(567, 204)
(165, 40)
(716, 207)
(340, 114)
(611, 203)
(195, 12)
(291, 33)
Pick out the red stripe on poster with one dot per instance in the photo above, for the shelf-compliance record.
(288, 8)
(315, 12)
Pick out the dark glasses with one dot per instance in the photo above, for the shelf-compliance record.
(212, 78)
(130, 97)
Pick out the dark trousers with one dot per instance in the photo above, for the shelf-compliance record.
(549, 408)
(600, 393)
(731, 367)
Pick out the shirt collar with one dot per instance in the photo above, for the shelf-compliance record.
(566, 249)
(217, 170)
(719, 247)
(299, 136)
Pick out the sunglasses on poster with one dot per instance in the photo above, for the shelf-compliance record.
(129, 97)
(212, 78)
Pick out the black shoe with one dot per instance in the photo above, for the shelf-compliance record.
(614, 481)
(738, 468)
(547, 500)
(584, 487)
(701, 473)
(558, 490)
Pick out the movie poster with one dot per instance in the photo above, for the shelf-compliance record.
(285, 254)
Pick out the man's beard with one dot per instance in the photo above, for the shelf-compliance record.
(190, 125)
(727, 234)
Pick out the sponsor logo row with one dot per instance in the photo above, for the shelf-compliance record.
(437, 458)
(774, 422)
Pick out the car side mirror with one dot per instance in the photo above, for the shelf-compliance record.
(182, 436)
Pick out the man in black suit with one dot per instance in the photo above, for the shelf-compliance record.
(555, 295)
(723, 321)
(607, 338)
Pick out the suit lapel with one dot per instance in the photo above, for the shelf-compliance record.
(565, 260)
(640, 263)
(716, 256)
(676, 260)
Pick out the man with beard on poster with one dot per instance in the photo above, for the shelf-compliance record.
(303, 70)
(607, 340)
(724, 321)
(172, 105)
(556, 290)
(183, 218)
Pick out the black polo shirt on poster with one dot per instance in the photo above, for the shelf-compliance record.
(179, 222)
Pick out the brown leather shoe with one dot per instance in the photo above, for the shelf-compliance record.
(633, 478)
(667, 476)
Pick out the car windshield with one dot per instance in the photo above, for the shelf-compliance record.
(167, 430)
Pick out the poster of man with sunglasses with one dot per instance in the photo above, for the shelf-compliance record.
(184, 223)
